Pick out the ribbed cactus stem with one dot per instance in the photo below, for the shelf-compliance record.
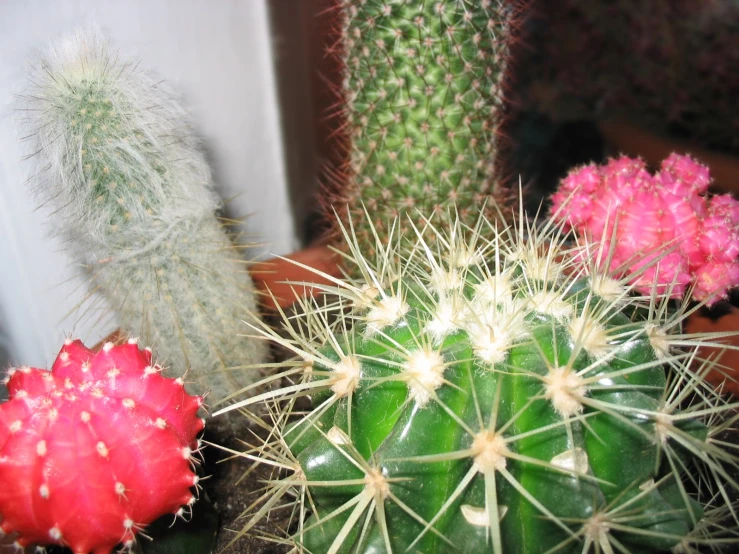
(496, 395)
(423, 90)
(133, 197)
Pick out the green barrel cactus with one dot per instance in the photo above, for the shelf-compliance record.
(134, 200)
(422, 97)
(495, 395)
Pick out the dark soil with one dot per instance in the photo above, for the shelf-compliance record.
(231, 492)
(227, 486)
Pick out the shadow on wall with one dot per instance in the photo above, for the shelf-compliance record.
(309, 77)
(294, 27)
(4, 353)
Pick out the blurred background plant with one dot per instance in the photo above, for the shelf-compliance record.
(667, 67)
(671, 65)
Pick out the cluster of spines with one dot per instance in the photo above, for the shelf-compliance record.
(102, 439)
(420, 105)
(134, 198)
(522, 277)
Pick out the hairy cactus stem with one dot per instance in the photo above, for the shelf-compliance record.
(134, 200)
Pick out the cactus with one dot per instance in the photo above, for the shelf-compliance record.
(134, 199)
(501, 395)
(96, 449)
(694, 239)
(422, 99)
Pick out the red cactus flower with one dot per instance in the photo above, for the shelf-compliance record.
(95, 449)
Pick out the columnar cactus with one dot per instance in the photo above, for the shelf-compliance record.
(134, 199)
(666, 232)
(95, 449)
(495, 395)
(422, 99)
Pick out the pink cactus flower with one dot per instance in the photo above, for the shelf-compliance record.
(668, 234)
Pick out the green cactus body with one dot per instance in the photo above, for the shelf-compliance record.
(423, 94)
(489, 397)
(134, 198)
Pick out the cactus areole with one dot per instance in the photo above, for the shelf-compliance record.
(95, 449)
(496, 396)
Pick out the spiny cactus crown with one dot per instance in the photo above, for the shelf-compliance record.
(494, 395)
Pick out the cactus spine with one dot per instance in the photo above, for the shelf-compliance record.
(134, 198)
(423, 94)
(496, 395)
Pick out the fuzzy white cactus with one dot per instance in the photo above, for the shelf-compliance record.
(133, 197)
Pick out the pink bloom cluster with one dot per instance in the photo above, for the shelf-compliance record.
(663, 224)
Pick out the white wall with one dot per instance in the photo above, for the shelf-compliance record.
(217, 53)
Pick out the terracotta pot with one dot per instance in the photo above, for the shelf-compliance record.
(273, 280)
(730, 358)
(277, 277)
